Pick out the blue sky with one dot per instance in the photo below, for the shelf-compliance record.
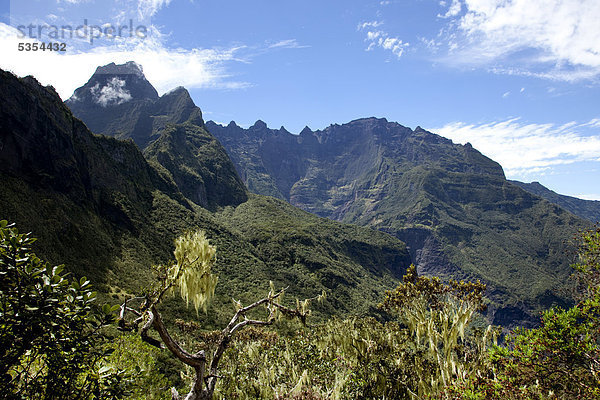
(519, 79)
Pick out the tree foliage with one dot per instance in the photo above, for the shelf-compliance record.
(191, 273)
(52, 344)
(437, 316)
(50, 332)
(561, 358)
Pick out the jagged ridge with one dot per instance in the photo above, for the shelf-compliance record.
(453, 206)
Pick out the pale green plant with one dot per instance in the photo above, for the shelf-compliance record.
(191, 272)
(439, 330)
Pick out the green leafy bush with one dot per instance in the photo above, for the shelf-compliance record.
(558, 360)
(51, 345)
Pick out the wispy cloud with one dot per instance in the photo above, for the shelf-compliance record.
(553, 39)
(147, 8)
(588, 196)
(287, 44)
(381, 39)
(454, 9)
(369, 25)
(528, 149)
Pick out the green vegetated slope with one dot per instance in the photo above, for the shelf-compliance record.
(453, 206)
(98, 206)
(198, 165)
(588, 209)
(355, 264)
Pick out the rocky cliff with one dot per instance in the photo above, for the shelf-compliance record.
(452, 205)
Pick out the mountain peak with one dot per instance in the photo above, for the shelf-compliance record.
(306, 131)
(259, 125)
(130, 67)
(119, 101)
(177, 90)
(113, 85)
(369, 120)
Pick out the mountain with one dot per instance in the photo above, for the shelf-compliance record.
(118, 101)
(453, 206)
(588, 209)
(108, 211)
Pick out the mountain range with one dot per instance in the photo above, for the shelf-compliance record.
(113, 205)
(110, 212)
(458, 214)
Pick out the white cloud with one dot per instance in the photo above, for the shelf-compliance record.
(112, 94)
(382, 39)
(371, 24)
(287, 44)
(553, 39)
(594, 123)
(588, 196)
(192, 68)
(453, 11)
(147, 8)
(526, 149)
(396, 45)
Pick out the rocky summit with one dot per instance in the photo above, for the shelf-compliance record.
(118, 101)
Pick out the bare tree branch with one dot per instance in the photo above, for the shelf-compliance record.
(203, 386)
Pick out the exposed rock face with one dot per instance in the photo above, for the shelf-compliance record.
(47, 145)
(305, 168)
(75, 189)
(453, 206)
(115, 84)
(118, 101)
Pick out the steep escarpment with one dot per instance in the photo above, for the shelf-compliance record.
(197, 164)
(118, 101)
(452, 205)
